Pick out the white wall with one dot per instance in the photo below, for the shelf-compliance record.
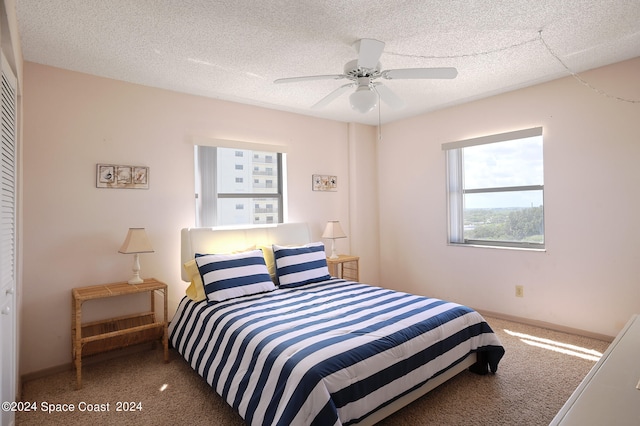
(588, 278)
(363, 200)
(72, 230)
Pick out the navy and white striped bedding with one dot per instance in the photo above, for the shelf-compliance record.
(325, 353)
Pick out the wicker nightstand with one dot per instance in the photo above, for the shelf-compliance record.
(345, 267)
(114, 333)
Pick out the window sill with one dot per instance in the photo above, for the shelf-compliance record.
(491, 246)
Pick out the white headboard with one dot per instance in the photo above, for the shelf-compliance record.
(216, 240)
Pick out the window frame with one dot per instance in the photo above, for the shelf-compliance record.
(456, 191)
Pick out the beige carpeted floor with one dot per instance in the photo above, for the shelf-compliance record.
(531, 385)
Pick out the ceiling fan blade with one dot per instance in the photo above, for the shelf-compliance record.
(310, 78)
(416, 73)
(369, 52)
(331, 96)
(388, 96)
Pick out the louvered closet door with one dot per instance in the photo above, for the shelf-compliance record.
(8, 184)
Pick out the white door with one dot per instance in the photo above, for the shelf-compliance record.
(8, 185)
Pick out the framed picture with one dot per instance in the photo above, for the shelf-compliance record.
(106, 175)
(140, 175)
(121, 176)
(324, 183)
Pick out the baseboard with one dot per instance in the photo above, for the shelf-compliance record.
(548, 325)
(89, 360)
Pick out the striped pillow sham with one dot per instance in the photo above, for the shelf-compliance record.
(297, 266)
(226, 276)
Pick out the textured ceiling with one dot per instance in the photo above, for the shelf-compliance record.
(235, 49)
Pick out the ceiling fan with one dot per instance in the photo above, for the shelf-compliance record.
(364, 71)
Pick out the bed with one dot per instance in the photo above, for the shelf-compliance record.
(314, 349)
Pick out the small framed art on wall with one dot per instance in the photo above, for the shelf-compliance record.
(324, 183)
(121, 176)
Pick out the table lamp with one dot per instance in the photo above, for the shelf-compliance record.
(332, 231)
(136, 242)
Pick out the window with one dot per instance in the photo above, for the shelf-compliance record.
(232, 186)
(495, 190)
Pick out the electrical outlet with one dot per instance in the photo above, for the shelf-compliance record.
(519, 291)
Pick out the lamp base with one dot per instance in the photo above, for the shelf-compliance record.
(334, 255)
(136, 271)
(135, 280)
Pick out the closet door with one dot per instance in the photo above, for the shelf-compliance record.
(8, 184)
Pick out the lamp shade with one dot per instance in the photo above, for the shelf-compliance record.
(333, 230)
(363, 99)
(136, 242)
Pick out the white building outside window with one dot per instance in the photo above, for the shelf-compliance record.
(238, 187)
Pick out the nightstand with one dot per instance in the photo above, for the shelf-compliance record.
(345, 267)
(119, 332)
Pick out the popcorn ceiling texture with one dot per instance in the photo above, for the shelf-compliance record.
(233, 50)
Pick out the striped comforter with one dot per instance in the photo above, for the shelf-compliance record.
(326, 353)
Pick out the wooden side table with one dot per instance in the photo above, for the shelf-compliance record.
(345, 267)
(119, 332)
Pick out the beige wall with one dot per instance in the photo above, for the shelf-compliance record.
(588, 278)
(72, 230)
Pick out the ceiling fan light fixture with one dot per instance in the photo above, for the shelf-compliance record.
(363, 99)
(363, 73)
